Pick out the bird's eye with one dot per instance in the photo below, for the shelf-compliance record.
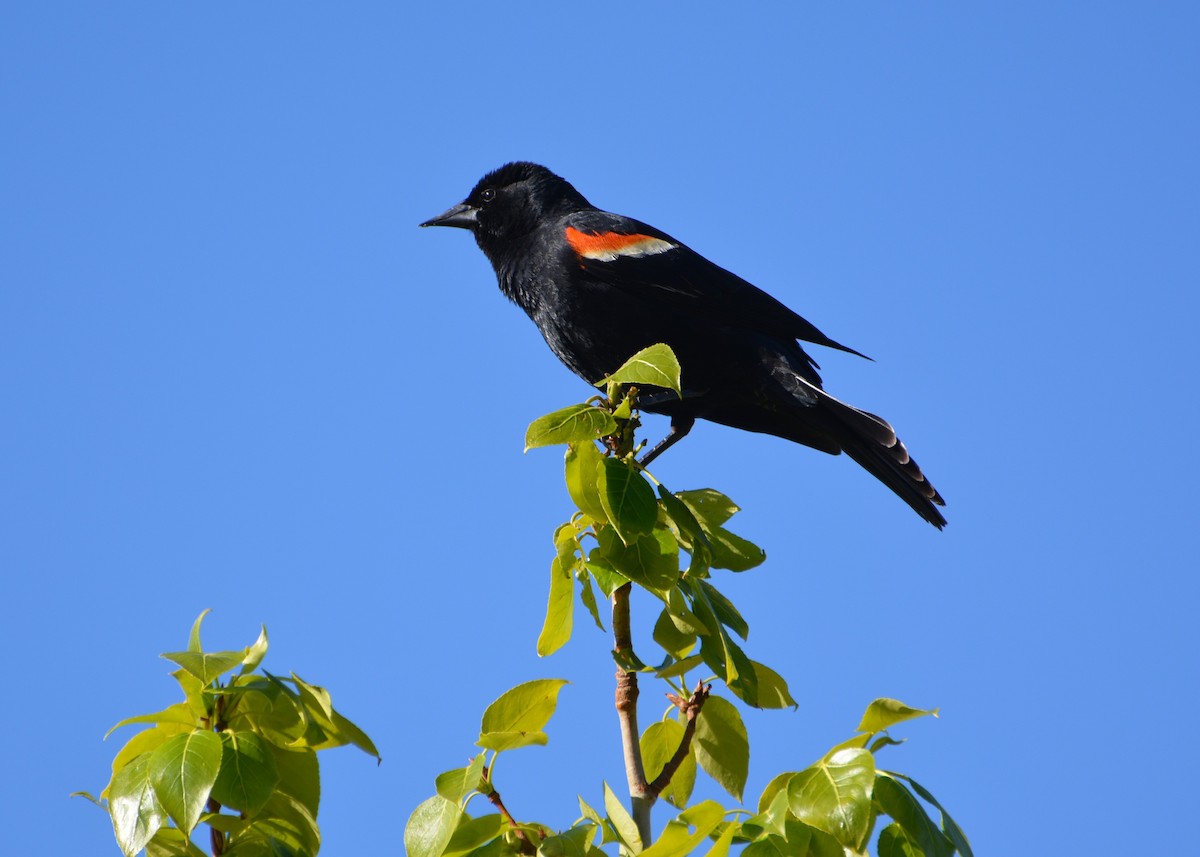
(488, 194)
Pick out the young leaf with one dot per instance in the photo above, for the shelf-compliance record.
(299, 776)
(588, 596)
(656, 366)
(622, 822)
(178, 713)
(884, 713)
(627, 498)
(256, 653)
(895, 800)
(248, 776)
(576, 424)
(722, 746)
(517, 717)
(194, 636)
(289, 823)
(771, 691)
(430, 827)
(471, 833)
(136, 813)
(834, 795)
(556, 629)
(733, 552)
(582, 469)
(207, 666)
(457, 784)
(182, 772)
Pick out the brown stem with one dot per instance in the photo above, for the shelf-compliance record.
(527, 847)
(626, 701)
(216, 838)
(691, 710)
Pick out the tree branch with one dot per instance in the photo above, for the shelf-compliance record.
(527, 847)
(626, 701)
(691, 710)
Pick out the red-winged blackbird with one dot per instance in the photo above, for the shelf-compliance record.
(601, 287)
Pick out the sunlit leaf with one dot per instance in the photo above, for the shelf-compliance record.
(457, 784)
(651, 560)
(588, 596)
(179, 713)
(207, 666)
(834, 795)
(656, 366)
(895, 842)
(430, 827)
(722, 746)
(136, 812)
(182, 772)
(289, 823)
(727, 614)
(681, 835)
(556, 629)
(627, 498)
(777, 785)
(582, 475)
(711, 507)
(575, 842)
(607, 578)
(473, 832)
(576, 424)
(622, 821)
(517, 717)
(256, 653)
(732, 552)
(194, 636)
(884, 713)
(659, 744)
(771, 691)
(248, 776)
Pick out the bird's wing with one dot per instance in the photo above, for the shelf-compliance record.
(636, 257)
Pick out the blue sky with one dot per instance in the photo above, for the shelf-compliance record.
(236, 375)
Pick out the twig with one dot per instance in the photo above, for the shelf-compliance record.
(527, 847)
(690, 708)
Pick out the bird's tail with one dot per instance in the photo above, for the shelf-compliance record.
(872, 442)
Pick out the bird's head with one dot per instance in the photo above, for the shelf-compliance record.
(511, 202)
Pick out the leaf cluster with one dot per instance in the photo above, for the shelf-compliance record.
(238, 754)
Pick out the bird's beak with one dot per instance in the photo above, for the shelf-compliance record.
(462, 215)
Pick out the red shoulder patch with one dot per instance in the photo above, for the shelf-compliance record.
(607, 246)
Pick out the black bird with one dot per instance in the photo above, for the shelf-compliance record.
(601, 287)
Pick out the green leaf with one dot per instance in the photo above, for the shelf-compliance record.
(678, 837)
(588, 596)
(457, 784)
(576, 842)
(299, 776)
(675, 642)
(582, 469)
(771, 691)
(720, 848)
(953, 832)
(659, 743)
(474, 832)
(683, 523)
(627, 498)
(682, 667)
(348, 731)
(733, 552)
(834, 795)
(169, 842)
(778, 784)
(143, 742)
(194, 636)
(256, 653)
(722, 746)
(179, 713)
(884, 713)
(556, 629)
(431, 827)
(517, 717)
(895, 842)
(655, 365)
(207, 666)
(183, 771)
(136, 812)
(726, 613)
(576, 424)
(895, 800)
(286, 826)
(651, 561)
(607, 578)
(709, 506)
(622, 821)
(248, 776)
